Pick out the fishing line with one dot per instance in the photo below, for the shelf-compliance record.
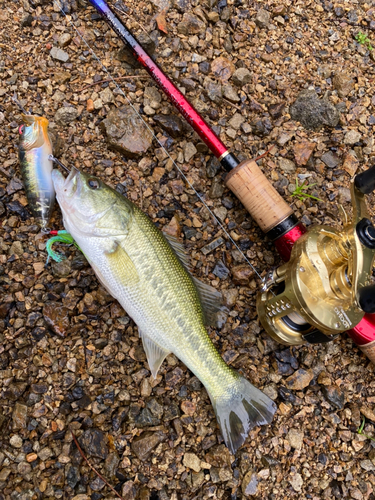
(157, 140)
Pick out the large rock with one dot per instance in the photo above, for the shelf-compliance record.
(312, 112)
(126, 132)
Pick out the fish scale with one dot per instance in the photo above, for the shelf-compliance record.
(136, 264)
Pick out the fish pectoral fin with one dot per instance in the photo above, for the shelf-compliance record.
(154, 353)
(211, 301)
(122, 265)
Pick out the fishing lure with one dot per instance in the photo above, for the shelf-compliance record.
(35, 149)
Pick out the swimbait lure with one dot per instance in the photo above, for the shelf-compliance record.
(34, 152)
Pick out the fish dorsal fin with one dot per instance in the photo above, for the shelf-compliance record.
(154, 353)
(121, 264)
(180, 250)
(211, 301)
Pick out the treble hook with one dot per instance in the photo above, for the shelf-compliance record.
(55, 160)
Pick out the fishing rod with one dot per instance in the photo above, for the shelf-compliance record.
(245, 179)
(324, 288)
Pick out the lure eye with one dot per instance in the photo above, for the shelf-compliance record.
(21, 130)
(93, 184)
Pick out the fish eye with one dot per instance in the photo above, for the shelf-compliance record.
(93, 183)
(21, 130)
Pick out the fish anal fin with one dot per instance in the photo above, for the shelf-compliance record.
(154, 353)
(122, 265)
(211, 301)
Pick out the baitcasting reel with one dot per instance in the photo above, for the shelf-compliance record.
(325, 288)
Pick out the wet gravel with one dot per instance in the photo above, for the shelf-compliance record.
(285, 74)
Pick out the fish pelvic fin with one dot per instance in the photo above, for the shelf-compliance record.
(154, 353)
(239, 408)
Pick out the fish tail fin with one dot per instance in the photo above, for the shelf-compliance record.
(239, 407)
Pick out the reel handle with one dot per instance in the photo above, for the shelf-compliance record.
(258, 196)
(365, 182)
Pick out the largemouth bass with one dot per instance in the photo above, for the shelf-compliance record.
(137, 265)
(36, 167)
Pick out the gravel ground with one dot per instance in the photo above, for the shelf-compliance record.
(70, 358)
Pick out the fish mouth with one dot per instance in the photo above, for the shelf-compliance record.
(72, 188)
(73, 183)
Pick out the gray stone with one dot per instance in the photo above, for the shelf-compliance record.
(330, 159)
(61, 269)
(107, 96)
(312, 112)
(27, 20)
(144, 445)
(59, 54)
(236, 121)
(191, 25)
(212, 245)
(295, 438)
(230, 93)
(352, 137)
(65, 39)
(125, 132)
(172, 124)
(344, 194)
(189, 151)
(217, 188)
(241, 77)
(296, 481)
(94, 442)
(221, 213)
(367, 465)
(334, 395)
(182, 5)
(66, 115)
(214, 91)
(192, 461)
(221, 271)
(16, 441)
(250, 484)
(19, 416)
(343, 83)
(287, 165)
(262, 19)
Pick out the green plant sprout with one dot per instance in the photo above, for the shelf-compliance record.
(360, 430)
(363, 39)
(299, 192)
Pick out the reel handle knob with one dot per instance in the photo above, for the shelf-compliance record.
(366, 299)
(365, 182)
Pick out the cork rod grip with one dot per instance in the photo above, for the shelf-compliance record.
(258, 196)
(369, 351)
